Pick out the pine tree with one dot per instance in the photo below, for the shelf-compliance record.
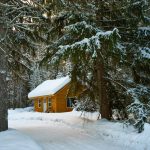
(22, 21)
(133, 23)
(87, 46)
(119, 65)
(38, 75)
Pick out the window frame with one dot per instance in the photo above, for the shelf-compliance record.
(49, 103)
(39, 103)
(72, 99)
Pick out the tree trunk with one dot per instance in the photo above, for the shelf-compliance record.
(105, 110)
(3, 109)
(3, 95)
(3, 83)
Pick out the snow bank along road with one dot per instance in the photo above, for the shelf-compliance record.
(68, 131)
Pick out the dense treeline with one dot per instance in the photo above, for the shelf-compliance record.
(103, 45)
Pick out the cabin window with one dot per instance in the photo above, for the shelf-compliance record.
(49, 103)
(39, 103)
(71, 102)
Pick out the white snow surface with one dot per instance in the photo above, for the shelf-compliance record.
(49, 87)
(145, 51)
(14, 140)
(76, 131)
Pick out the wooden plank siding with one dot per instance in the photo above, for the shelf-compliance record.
(58, 100)
(36, 107)
(61, 99)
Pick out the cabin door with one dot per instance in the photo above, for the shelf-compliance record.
(44, 106)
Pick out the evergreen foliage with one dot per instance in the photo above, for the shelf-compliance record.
(84, 39)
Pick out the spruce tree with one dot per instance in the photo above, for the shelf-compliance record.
(22, 21)
(81, 40)
(113, 68)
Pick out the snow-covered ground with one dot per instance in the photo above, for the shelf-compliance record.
(69, 131)
(14, 140)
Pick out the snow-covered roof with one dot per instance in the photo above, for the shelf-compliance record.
(49, 87)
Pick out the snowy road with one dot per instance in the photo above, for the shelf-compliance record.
(67, 131)
(61, 137)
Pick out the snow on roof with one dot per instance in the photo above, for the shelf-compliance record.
(49, 87)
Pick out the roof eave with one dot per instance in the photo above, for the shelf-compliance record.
(40, 96)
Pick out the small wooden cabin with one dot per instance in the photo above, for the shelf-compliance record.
(52, 96)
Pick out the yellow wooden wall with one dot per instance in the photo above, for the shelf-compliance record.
(36, 107)
(40, 109)
(59, 100)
